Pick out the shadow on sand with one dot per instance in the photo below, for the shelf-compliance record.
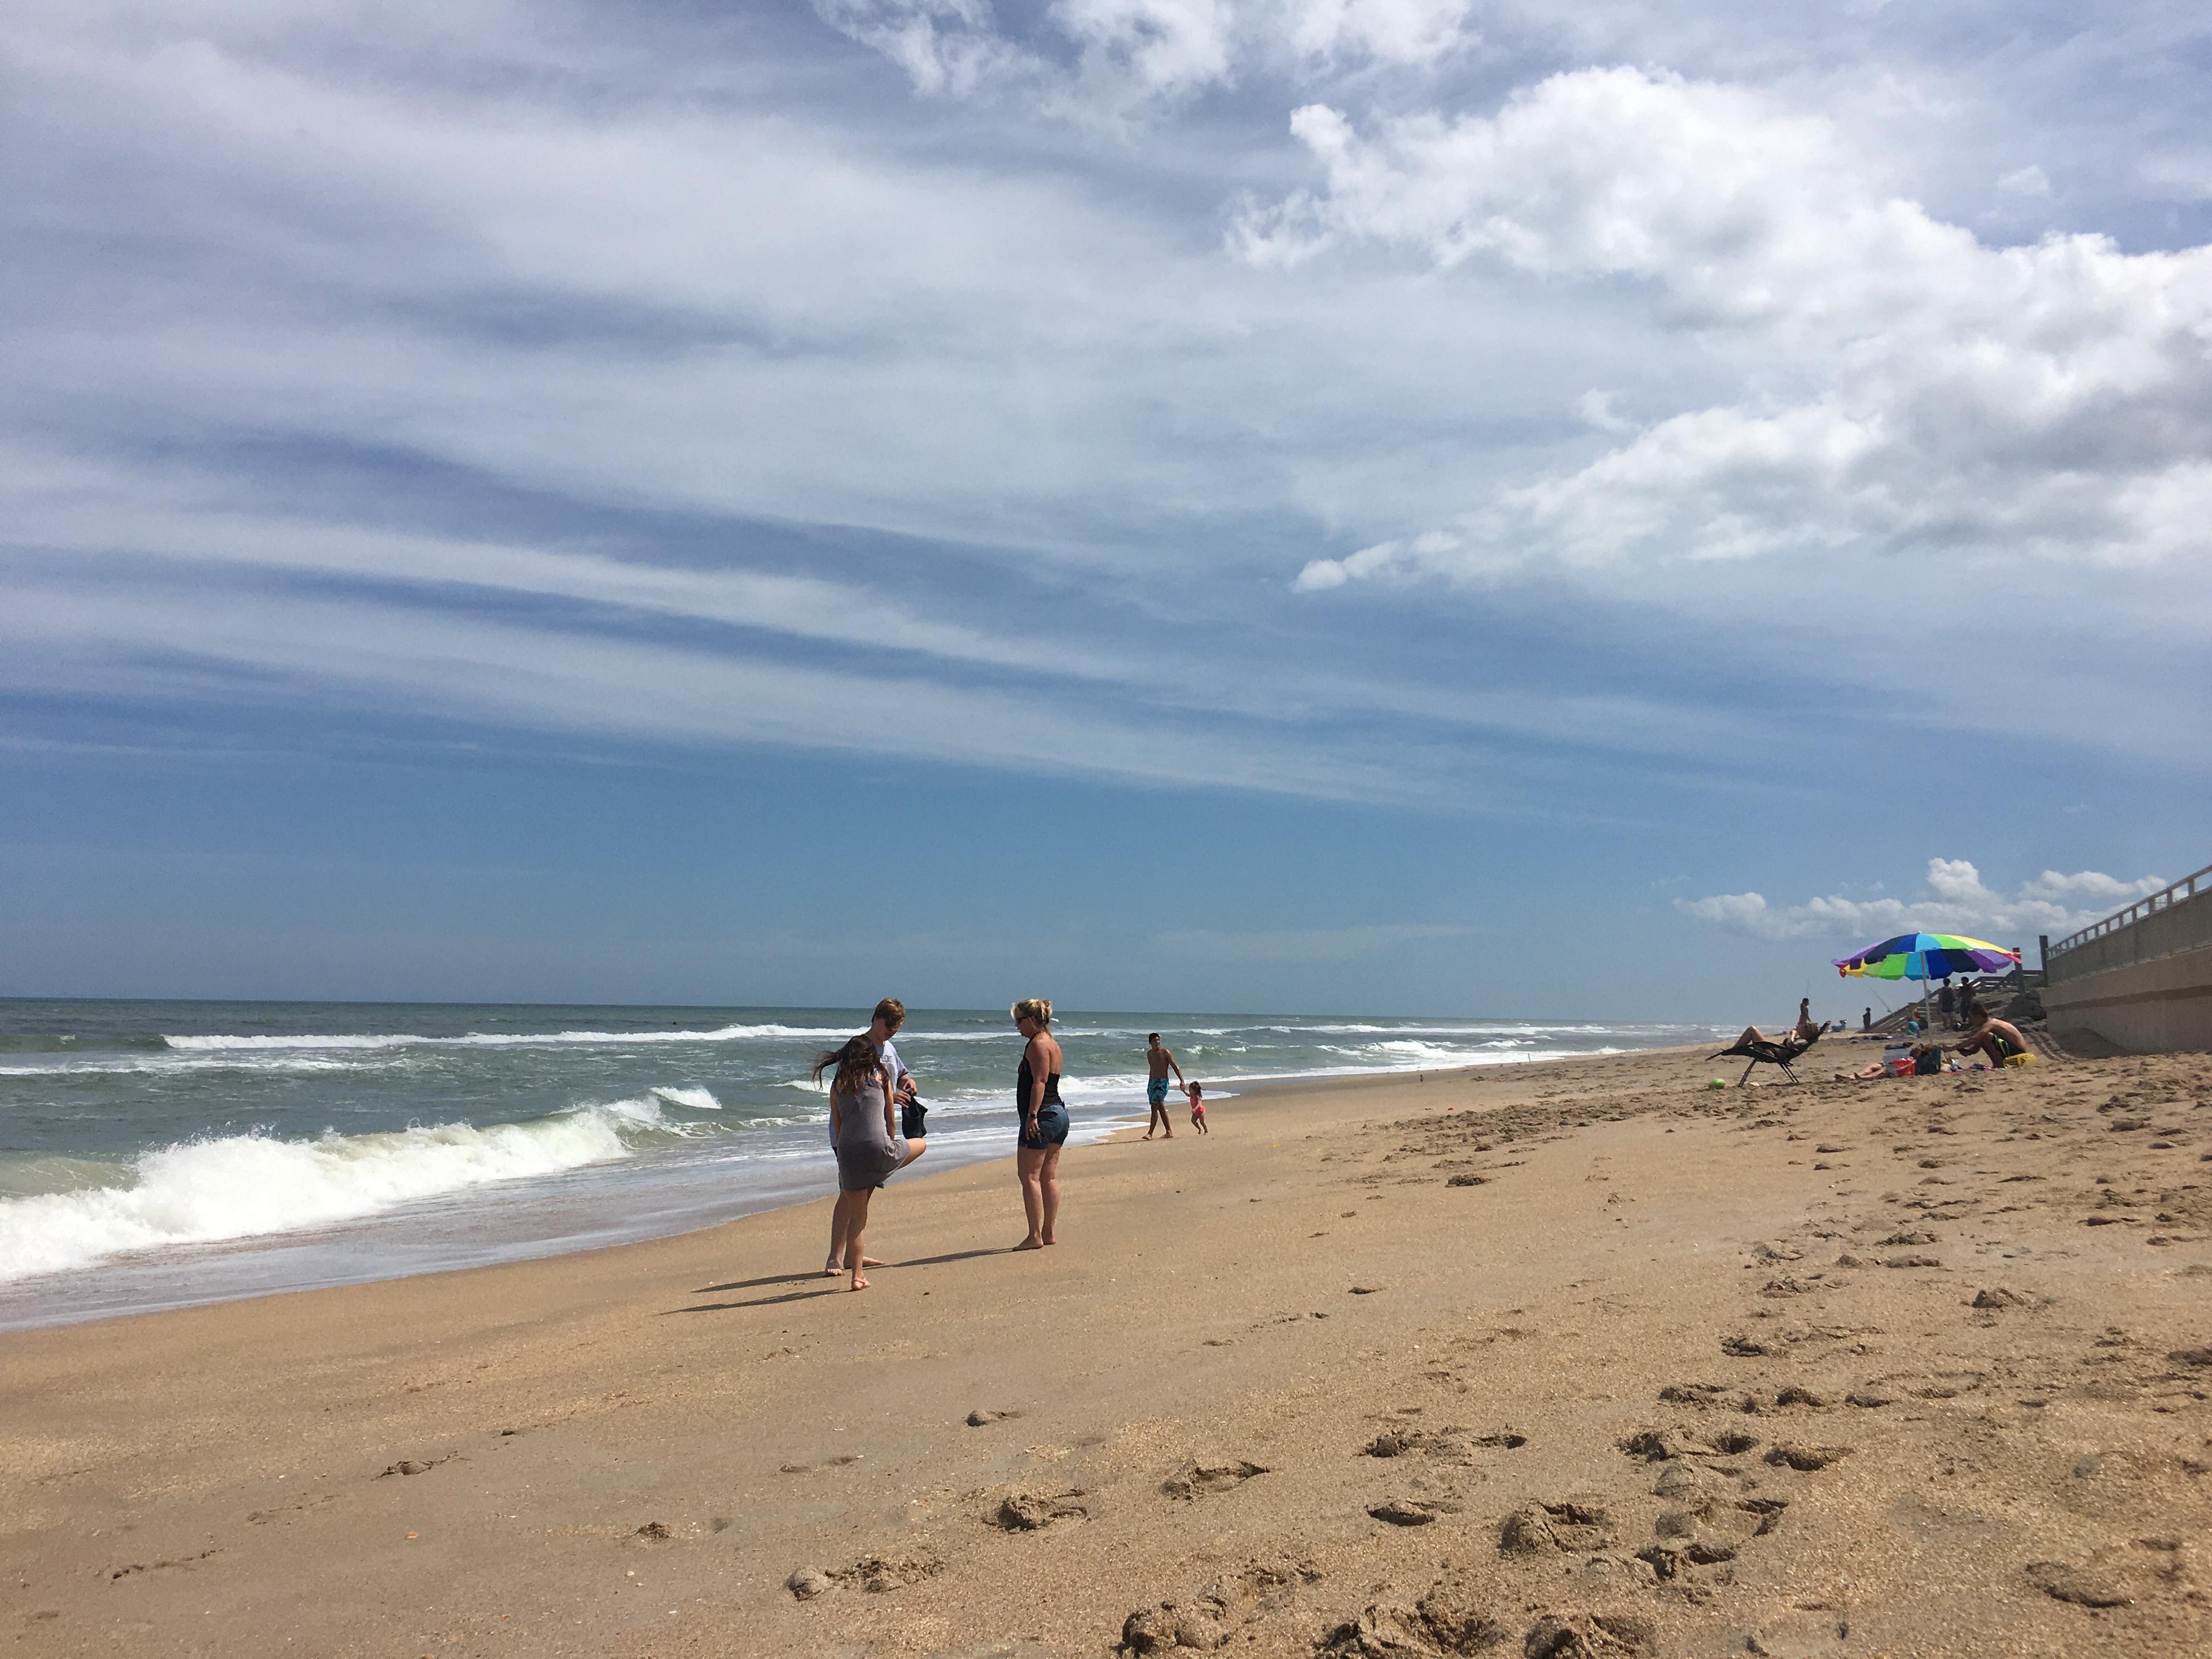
(816, 1283)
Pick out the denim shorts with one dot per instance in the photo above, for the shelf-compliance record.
(1051, 1127)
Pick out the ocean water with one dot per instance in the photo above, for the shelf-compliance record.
(156, 1154)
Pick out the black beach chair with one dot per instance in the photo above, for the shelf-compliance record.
(1761, 1052)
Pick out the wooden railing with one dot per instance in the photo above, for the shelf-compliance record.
(2151, 928)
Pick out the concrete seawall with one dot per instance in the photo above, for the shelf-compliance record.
(2143, 982)
(2147, 1007)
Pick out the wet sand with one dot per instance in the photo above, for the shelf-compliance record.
(1576, 1358)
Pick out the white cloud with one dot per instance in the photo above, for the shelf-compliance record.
(2029, 181)
(156, 640)
(1902, 385)
(1113, 59)
(949, 48)
(1596, 407)
(1302, 945)
(1953, 901)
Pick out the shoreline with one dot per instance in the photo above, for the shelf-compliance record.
(131, 1286)
(1358, 1368)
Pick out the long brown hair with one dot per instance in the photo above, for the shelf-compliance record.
(855, 1064)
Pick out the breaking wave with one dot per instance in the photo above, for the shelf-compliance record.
(231, 1187)
(498, 1039)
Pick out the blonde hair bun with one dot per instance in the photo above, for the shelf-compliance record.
(1037, 1008)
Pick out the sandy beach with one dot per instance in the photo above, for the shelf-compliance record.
(1576, 1359)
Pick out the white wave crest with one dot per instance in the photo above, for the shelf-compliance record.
(241, 1186)
(174, 1063)
(699, 1100)
(496, 1039)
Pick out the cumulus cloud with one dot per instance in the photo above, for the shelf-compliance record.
(1954, 899)
(1902, 385)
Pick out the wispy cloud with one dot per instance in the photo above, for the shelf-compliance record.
(1110, 62)
(1953, 900)
(589, 299)
(159, 641)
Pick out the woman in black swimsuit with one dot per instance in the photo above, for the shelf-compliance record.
(1043, 1120)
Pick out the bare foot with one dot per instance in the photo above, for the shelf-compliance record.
(870, 1261)
(1030, 1244)
(1147, 1135)
(859, 1281)
(1050, 1240)
(834, 1267)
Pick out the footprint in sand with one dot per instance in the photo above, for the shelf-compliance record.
(1589, 1635)
(836, 1462)
(1196, 1481)
(413, 1466)
(1701, 1395)
(1412, 1511)
(1211, 1620)
(1664, 1445)
(1541, 1529)
(1806, 1459)
(1033, 1512)
(879, 1574)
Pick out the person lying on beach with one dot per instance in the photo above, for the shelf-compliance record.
(1157, 1060)
(883, 1026)
(870, 1149)
(1197, 1107)
(1043, 1120)
(1804, 1031)
(1997, 1038)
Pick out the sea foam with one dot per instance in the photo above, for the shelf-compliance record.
(496, 1039)
(240, 1185)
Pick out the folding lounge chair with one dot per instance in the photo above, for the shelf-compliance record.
(1764, 1052)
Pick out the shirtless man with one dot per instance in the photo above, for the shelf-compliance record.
(1158, 1062)
(1995, 1037)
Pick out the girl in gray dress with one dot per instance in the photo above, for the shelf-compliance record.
(870, 1148)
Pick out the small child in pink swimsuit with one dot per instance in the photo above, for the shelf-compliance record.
(1197, 1107)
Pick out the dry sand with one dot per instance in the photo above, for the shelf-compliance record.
(1578, 1359)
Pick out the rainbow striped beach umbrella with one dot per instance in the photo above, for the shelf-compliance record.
(1927, 955)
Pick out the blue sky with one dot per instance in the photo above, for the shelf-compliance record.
(1377, 505)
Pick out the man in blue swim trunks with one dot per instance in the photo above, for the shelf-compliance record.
(1159, 1062)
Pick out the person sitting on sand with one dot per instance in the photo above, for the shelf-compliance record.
(1804, 1032)
(1995, 1037)
(870, 1149)
(1196, 1091)
(1157, 1060)
(1043, 1120)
